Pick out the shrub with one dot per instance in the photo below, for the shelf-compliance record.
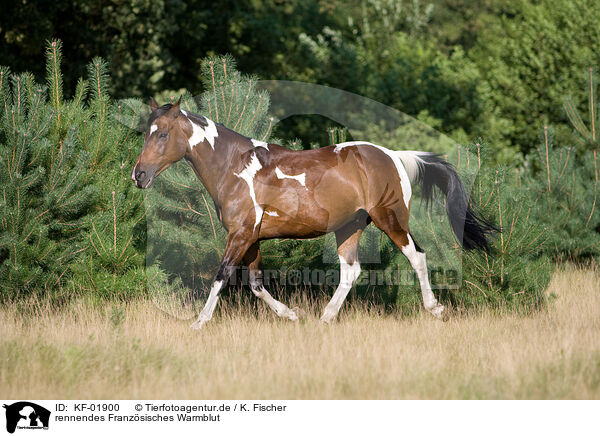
(69, 216)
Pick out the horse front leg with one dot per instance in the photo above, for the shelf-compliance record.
(237, 245)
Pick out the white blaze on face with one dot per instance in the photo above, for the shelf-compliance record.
(199, 133)
(153, 128)
(301, 178)
(247, 174)
(404, 179)
(257, 143)
(271, 213)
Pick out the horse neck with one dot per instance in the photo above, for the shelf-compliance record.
(213, 163)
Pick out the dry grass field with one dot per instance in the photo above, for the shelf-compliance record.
(136, 351)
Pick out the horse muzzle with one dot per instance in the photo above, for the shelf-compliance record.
(143, 178)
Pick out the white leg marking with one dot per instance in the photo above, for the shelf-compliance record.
(301, 178)
(248, 174)
(348, 274)
(257, 143)
(200, 133)
(278, 307)
(209, 307)
(419, 264)
(404, 179)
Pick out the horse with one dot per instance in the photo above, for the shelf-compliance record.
(263, 191)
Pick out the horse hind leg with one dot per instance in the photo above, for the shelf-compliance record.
(386, 220)
(418, 261)
(253, 260)
(347, 239)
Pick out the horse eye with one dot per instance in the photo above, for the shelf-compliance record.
(163, 135)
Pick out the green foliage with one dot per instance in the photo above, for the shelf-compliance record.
(530, 58)
(27, 254)
(410, 75)
(566, 186)
(233, 99)
(137, 37)
(566, 179)
(69, 215)
(488, 69)
(517, 272)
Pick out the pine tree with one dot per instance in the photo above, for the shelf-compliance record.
(572, 181)
(114, 231)
(27, 249)
(65, 191)
(517, 271)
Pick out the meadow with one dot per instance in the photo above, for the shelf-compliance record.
(133, 350)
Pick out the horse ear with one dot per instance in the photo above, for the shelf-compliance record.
(153, 103)
(174, 111)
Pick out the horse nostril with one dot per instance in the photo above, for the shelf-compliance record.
(140, 175)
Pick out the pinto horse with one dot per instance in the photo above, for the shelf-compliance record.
(263, 191)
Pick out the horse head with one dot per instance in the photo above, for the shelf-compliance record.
(166, 142)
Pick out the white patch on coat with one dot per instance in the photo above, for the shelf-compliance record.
(247, 174)
(339, 147)
(199, 133)
(404, 179)
(153, 128)
(262, 144)
(271, 213)
(301, 178)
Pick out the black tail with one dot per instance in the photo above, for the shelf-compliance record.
(429, 170)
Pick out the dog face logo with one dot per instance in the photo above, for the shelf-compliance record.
(26, 415)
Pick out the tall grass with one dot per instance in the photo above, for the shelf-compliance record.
(134, 350)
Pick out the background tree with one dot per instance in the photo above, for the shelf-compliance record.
(496, 70)
(70, 219)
